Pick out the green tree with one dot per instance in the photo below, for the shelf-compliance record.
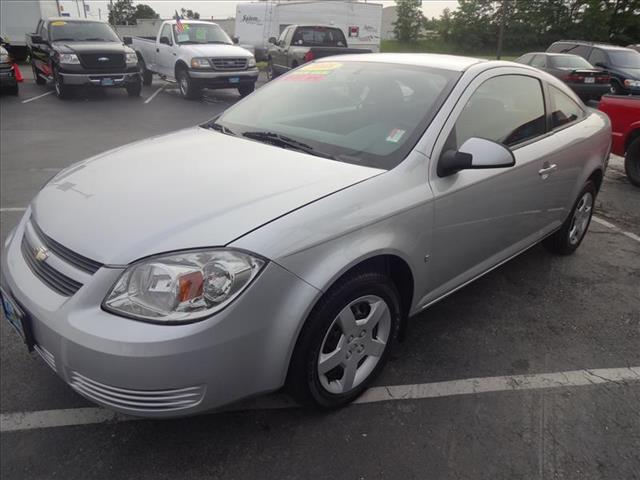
(409, 22)
(189, 14)
(122, 12)
(144, 11)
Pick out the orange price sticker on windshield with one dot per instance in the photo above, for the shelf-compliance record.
(58, 24)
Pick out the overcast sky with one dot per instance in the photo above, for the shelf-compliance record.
(218, 8)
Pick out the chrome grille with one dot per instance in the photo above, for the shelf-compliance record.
(52, 278)
(69, 256)
(139, 400)
(229, 64)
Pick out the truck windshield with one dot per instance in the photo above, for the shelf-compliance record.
(319, 37)
(365, 113)
(70, 31)
(200, 33)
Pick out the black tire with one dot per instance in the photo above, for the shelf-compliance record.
(245, 90)
(39, 80)
(134, 88)
(303, 379)
(563, 241)
(271, 73)
(187, 86)
(147, 75)
(62, 91)
(632, 162)
(616, 88)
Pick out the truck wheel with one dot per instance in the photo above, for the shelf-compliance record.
(134, 88)
(616, 88)
(39, 80)
(632, 162)
(13, 89)
(271, 73)
(62, 91)
(188, 88)
(245, 90)
(147, 75)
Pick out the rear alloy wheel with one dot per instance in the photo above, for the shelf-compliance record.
(245, 90)
(39, 80)
(568, 238)
(134, 89)
(345, 341)
(188, 88)
(62, 91)
(632, 162)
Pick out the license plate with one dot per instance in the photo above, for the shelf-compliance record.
(590, 80)
(107, 82)
(234, 80)
(16, 318)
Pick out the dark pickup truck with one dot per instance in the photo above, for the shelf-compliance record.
(299, 44)
(72, 53)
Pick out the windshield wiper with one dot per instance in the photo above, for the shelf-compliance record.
(285, 142)
(221, 128)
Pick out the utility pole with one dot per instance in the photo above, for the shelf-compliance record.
(78, 8)
(503, 23)
(84, 9)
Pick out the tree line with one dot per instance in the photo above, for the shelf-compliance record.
(124, 12)
(528, 24)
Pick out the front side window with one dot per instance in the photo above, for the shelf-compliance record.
(563, 109)
(598, 56)
(625, 58)
(365, 113)
(166, 33)
(508, 109)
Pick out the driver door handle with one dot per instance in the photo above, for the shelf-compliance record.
(547, 169)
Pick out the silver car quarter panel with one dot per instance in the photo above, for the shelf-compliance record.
(162, 370)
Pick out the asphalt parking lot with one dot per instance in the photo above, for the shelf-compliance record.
(531, 372)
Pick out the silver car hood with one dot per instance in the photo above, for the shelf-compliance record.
(189, 189)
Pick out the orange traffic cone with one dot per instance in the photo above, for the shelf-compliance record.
(17, 73)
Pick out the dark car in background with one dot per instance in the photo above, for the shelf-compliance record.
(8, 81)
(588, 82)
(623, 64)
(73, 53)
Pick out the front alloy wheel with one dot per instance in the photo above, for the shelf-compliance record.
(188, 88)
(62, 90)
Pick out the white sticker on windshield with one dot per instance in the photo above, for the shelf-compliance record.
(183, 37)
(395, 135)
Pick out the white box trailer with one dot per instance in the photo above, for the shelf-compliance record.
(256, 22)
(19, 17)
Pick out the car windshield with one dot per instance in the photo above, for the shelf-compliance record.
(569, 61)
(365, 113)
(625, 58)
(70, 31)
(196, 33)
(319, 37)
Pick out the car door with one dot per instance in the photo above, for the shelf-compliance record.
(41, 52)
(278, 55)
(483, 217)
(164, 53)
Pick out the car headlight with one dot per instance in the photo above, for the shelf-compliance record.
(251, 63)
(631, 83)
(200, 62)
(4, 58)
(182, 287)
(132, 59)
(69, 58)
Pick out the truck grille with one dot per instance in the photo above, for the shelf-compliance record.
(102, 60)
(229, 64)
(52, 278)
(138, 400)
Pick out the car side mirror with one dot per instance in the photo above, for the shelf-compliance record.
(165, 40)
(127, 40)
(600, 64)
(273, 40)
(475, 153)
(36, 39)
(235, 40)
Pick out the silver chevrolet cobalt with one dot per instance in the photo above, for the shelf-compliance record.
(287, 241)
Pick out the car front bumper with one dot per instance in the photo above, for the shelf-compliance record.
(156, 370)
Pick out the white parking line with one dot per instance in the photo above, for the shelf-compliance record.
(20, 421)
(604, 223)
(12, 209)
(39, 96)
(153, 95)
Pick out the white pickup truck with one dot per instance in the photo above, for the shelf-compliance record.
(196, 54)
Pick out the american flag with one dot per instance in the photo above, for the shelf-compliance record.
(179, 26)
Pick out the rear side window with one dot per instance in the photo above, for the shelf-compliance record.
(166, 32)
(563, 109)
(539, 61)
(508, 109)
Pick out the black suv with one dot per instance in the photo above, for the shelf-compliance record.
(623, 64)
(72, 52)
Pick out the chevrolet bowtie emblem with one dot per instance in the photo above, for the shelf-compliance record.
(41, 254)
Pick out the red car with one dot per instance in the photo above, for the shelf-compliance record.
(624, 112)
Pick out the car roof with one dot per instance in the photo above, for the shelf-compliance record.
(445, 62)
